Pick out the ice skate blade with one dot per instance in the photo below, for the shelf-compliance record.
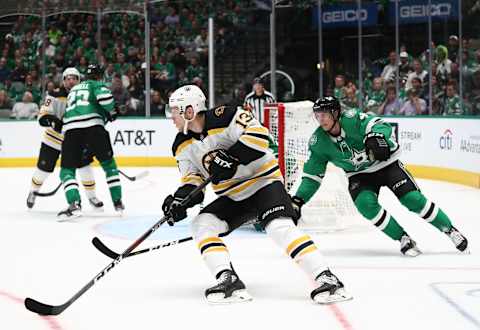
(238, 296)
(326, 298)
(64, 218)
(412, 253)
(98, 209)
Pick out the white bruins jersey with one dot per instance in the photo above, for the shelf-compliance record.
(54, 104)
(237, 130)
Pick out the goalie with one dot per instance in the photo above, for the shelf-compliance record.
(364, 146)
(231, 147)
(51, 114)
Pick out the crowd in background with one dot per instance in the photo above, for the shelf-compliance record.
(414, 97)
(179, 54)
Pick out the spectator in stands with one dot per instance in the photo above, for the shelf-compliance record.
(201, 46)
(109, 73)
(391, 105)
(50, 87)
(120, 94)
(26, 109)
(453, 48)
(474, 93)
(19, 73)
(194, 69)
(352, 99)
(6, 105)
(444, 65)
(172, 18)
(414, 105)
(375, 96)
(389, 70)
(418, 72)
(164, 74)
(418, 87)
(157, 105)
(339, 90)
(404, 66)
(4, 71)
(453, 105)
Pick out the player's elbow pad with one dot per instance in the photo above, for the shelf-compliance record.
(244, 154)
(45, 120)
(183, 192)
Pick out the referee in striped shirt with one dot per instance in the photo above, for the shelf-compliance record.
(255, 101)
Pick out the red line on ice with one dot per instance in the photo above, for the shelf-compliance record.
(51, 321)
(340, 316)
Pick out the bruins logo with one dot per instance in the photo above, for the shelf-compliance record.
(207, 159)
(219, 111)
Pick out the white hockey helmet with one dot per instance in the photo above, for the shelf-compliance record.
(188, 96)
(71, 72)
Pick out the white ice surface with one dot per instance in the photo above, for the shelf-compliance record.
(51, 261)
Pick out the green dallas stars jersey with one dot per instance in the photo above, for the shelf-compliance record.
(87, 105)
(346, 151)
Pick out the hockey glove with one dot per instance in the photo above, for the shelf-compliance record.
(223, 167)
(112, 115)
(297, 204)
(376, 147)
(173, 209)
(51, 121)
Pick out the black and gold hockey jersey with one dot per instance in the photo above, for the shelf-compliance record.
(55, 104)
(242, 135)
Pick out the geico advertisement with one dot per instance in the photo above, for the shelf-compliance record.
(129, 137)
(440, 142)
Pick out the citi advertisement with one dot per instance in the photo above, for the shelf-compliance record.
(446, 140)
(346, 15)
(416, 11)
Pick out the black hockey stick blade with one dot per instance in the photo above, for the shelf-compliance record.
(134, 178)
(50, 193)
(104, 249)
(44, 309)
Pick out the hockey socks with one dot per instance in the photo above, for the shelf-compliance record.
(297, 245)
(416, 202)
(70, 185)
(38, 178)
(215, 254)
(368, 206)
(113, 179)
(88, 180)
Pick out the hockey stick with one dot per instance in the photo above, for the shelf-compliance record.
(50, 193)
(44, 309)
(136, 177)
(112, 254)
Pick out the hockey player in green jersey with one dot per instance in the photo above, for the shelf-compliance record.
(89, 106)
(364, 146)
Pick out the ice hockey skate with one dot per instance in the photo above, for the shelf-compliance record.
(118, 205)
(31, 199)
(409, 247)
(330, 290)
(229, 289)
(461, 243)
(74, 210)
(96, 204)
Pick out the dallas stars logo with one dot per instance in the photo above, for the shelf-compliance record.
(358, 158)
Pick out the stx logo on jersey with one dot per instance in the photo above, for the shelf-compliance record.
(208, 158)
(223, 163)
(446, 140)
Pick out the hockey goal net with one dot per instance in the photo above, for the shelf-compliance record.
(331, 208)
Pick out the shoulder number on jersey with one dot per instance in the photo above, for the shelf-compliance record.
(79, 97)
(244, 118)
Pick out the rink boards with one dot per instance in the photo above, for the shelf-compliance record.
(433, 148)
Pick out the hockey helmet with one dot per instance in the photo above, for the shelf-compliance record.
(71, 72)
(94, 71)
(188, 96)
(327, 104)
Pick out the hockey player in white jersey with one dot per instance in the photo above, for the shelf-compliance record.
(231, 147)
(50, 116)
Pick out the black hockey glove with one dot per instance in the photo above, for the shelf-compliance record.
(223, 166)
(297, 204)
(112, 115)
(376, 147)
(173, 209)
(51, 121)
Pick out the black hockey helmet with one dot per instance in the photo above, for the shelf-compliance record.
(257, 80)
(94, 72)
(328, 104)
